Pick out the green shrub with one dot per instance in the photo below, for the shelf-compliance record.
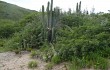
(101, 63)
(56, 59)
(72, 20)
(28, 36)
(32, 64)
(7, 28)
(14, 43)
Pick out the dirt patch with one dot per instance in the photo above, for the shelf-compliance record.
(11, 61)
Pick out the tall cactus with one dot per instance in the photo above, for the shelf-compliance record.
(51, 14)
(43, 23)
(51, 21)
(48, 14)
(78, 8)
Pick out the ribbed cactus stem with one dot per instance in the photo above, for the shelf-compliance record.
(77, 8)
(43, 14)
(43, 22)
(58, 11)
(51, 14)
(80, 7)
(48, 14)
(54, 17)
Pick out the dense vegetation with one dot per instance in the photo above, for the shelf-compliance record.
(81, 39)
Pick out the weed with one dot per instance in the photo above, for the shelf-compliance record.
(33, 54)
(32, 64)
(49, 66)
(56, 59)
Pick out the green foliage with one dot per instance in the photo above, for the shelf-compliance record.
(90, 61)
(30, 18)
(81, 40)
(2, 48)
(10, 15)
(32, 64)
(2, 41)
(72, 20)
(7, 28)
(28, 36)
(56, 59)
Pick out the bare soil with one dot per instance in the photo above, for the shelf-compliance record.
(11, 61)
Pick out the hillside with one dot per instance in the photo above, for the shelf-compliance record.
(13, 12)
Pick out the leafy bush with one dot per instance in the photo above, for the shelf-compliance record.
(29, 36)
(90, 61)
(81, 41)
(72, 20)
(7, 28)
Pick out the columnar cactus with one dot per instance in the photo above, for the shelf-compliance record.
(43, 23)
(52, 18)
(48, 14)
(78, 7)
